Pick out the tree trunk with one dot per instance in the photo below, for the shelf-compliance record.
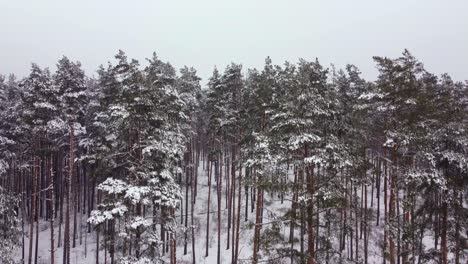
(247, 177)
(220, 188)
(443, 241)
(257, 222)
(67, 195)
(392, 206)
(97, 245)
(310, 210)
(384, 251)
(187, 174)
(233, 198)
(52, 214)
(75, 205)
(236, 256)
(192, 191)
(38, 193)
(293, 211)
(33, 209)
(208, 210)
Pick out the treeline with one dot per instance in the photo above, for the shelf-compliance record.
(369, 172)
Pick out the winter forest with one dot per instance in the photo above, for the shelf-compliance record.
(290, 163)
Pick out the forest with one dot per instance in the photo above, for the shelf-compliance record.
(291, 163)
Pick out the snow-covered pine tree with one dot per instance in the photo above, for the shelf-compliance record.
(39, 111)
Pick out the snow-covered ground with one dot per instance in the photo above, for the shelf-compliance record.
(85, 250)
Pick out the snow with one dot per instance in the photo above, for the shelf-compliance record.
(113, 186)
(139, 222)
(136, 193)
(371, 95)
(273, 209)
(297, 141)
(118, 111)
(389, 143)
(45, 105)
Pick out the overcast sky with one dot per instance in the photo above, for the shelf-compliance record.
(202, 33)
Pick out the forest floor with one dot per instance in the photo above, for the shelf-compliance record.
(85, 250)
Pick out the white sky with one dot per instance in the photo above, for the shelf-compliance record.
(204, 33)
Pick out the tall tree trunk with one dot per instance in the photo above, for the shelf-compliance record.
(192, 191)
(302, 215)
(220, 188)
(38, 193)
(23, 215)
(229, 202)
(293, 211)
(384, 251)
(187, 175)
(97, 245)
(257, 221)
(356, 231)
(75, 204)
(32, 207)
(236, 256)
(61, 188)
(67, 195)
(246, 183)
(32, 210)
(310, 209)
(378, 184)
(392, 205)
(443, 241)
(457, 230)
(233, 198)
(365, 223)
(208, 210)
(52, 214)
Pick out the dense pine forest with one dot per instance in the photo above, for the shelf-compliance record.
(291, 163)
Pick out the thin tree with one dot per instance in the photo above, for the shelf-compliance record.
(66, 248)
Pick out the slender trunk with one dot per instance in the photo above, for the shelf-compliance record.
(208, 210)
(32, 207)
(302, 215)
(75, 205)
(457, 230)
(233, 198)
(229, 203)
(236, 256)
(247, 177)
(392, 206)
(384, 251)
(38, 193)
(52, 214)
(192, 185)
(293, 211)
(61, 188)
(365, 223)
(310, 210)
(187, 174)
(351, 209)
(252, 191)
(379, 174)
(257, 223)
(220, 188)
(105, 242)
(356, 231)
(23, 215)
(97, 245)
(344, 213)
(405, 223)
(67, 195)
(443, 241)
